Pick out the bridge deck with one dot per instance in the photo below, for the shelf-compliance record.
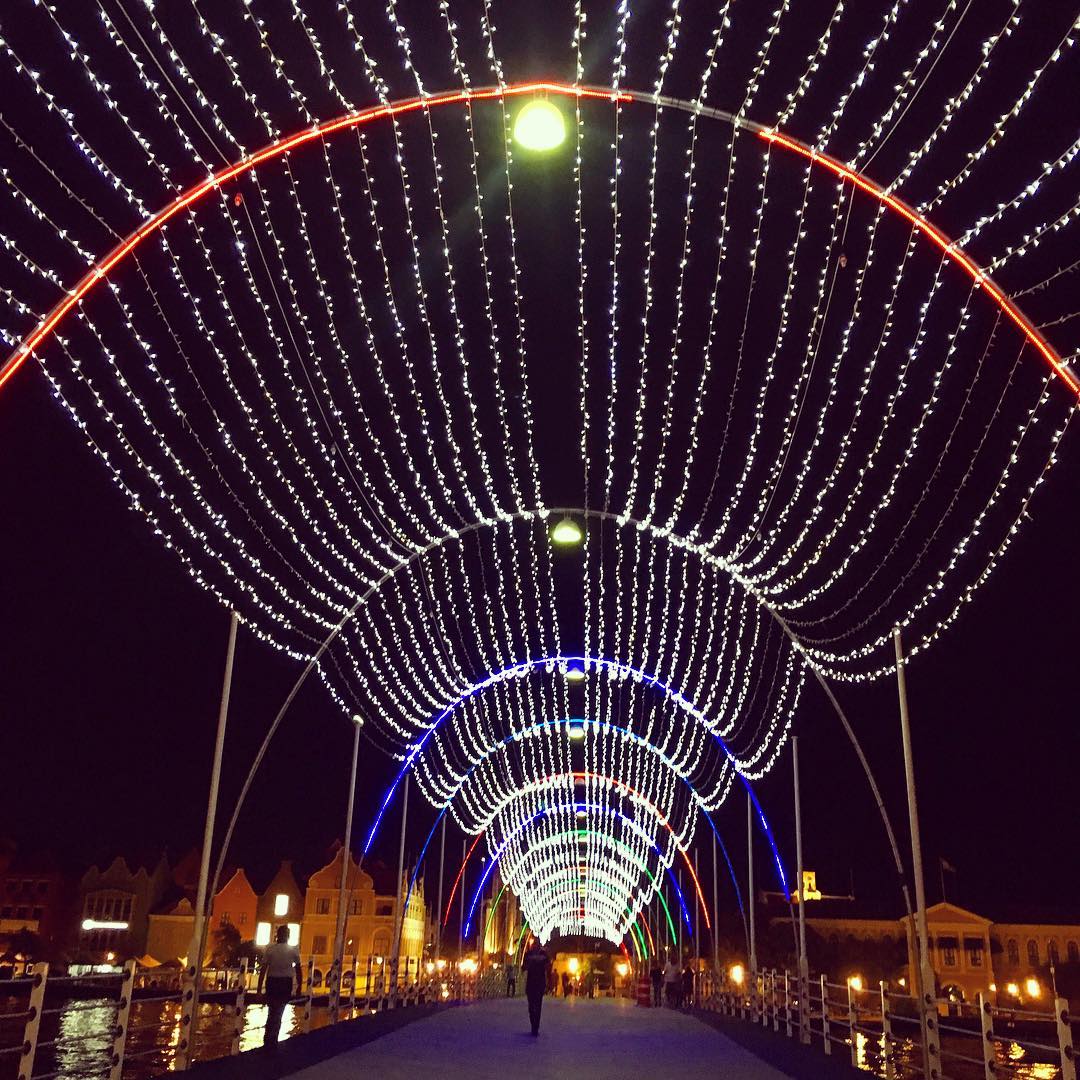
(603, 1040)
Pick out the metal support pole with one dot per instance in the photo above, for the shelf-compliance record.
(925, 987)
(238, 1015)
(989, 1046)
(461, 922)
(678, 921)
(750, 901)
(697, 917)
(804, 963)
(193, 972)
(438, 906)
(123, 1015)
(346, 857)
(826, 1029)
(399, 900)
(307, 999)
(352, 990)
(852, 1022)
(715, 912)
(33, 1021)
(1065, 1042)
(886, 1033)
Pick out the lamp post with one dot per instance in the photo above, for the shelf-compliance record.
(346, 858)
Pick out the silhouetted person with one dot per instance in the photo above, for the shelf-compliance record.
(566, 984)
(687, 985)
(657, 977)
(279, 963)
(672, 983)
(511, 980)
(535, 968)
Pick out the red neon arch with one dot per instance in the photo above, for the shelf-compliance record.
(100, 270)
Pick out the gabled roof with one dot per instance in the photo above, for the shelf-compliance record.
(951, 913)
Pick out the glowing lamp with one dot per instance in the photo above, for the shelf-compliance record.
(1032, 988)
(738, 974)
(567, 532)
(577, 731)
(1012, 990)
(575, 674)
(539, 126)
(855, 982)
(622, 967)
(572, 965)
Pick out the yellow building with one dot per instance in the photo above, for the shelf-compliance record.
(970, 954)
(369, 922)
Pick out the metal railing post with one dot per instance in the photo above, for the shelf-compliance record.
(787, 1003)
(352, 992)
(307, 1000)
(886, 1033)
(852, 1020)
(238, 1009)
(989, 1047)
(1065, 1043)
(33, 1021)
(826, 1030)
(189, 999)
(774, 997)
(123, 1013)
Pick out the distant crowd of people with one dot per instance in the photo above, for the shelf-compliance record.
(672, 985)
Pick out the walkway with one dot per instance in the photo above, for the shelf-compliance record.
(603, 1040)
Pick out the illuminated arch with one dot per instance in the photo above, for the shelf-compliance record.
(100, 271)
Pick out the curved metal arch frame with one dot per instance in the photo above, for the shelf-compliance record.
(100, 271)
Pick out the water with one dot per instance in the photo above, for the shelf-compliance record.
(82, 1031)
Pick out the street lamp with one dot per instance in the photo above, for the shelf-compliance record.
(539, 126)
(567, 533)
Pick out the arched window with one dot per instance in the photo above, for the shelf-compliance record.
(380, 943)
(1033, 952)
(1072, 950)
(316, 978)
(1053, 952)
(1013, 948)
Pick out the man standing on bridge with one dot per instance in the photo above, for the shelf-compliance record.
(279, 963)
(536, 965)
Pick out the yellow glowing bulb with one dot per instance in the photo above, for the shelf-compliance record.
(1032, 988)
(1012, 990)
(855, 982)
(622, 967)
(738, 974)
(567, 532)
(539, 126)
(572, 965)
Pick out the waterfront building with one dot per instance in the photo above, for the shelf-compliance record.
(369, 919)
(35, 899)
(115, 906)
(970, 953)
(281, 903)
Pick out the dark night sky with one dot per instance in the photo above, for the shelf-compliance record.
(112, 661)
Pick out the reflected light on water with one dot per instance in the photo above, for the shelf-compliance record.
(84, 1036)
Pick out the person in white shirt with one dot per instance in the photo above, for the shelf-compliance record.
(279, 964)
(672, 980)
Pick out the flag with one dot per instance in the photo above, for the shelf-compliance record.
(946, 865)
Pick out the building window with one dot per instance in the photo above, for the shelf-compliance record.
(1013, 948)
(974, 949)
(281, 904)
(384, 909)
(243, 919)
(948, 947)
(1033, 952)
(1052, 951)
(294, 933)
(1072, 950)
(20, 913)
(262, 933)
(225, 920)
(318, 945)
(322, 907)
(38, 912)
(355, 908)
(42, 887)
(5, 913)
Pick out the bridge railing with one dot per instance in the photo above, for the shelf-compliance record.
(132, 1023)
(879, 1028)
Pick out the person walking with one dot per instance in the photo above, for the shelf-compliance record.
(672, 978)
(279, 963)
(566, 984)
(687, 996)
(535, 968)
(657, 977)
(511, 980)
